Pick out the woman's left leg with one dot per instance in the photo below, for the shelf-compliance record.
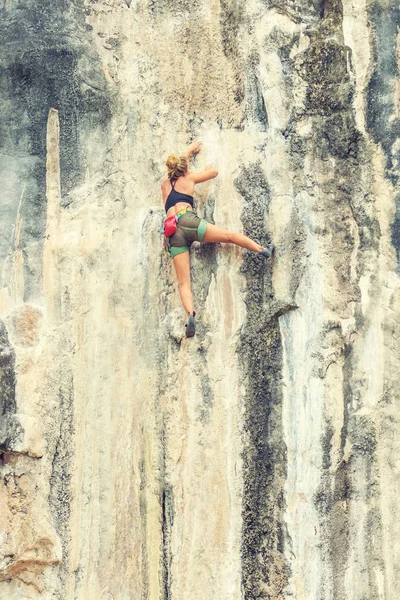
(218, 234)
(182, 267)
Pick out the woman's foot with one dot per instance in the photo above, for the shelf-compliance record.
(191, 325)
(267, 251)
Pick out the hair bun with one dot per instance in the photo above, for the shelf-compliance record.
(172, 161)
(177, 165)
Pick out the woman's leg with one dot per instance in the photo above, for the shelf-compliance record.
(182, 266)
(218, 234)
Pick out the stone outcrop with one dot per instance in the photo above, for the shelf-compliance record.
(260, 459)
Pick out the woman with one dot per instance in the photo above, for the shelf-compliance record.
(177, 191)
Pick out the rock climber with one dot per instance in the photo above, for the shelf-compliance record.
(189, 227)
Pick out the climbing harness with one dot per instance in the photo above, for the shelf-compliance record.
(170, 225)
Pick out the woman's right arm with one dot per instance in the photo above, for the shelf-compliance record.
(208, 173)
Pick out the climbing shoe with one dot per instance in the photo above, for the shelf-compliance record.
(268, 251)
(191, 326)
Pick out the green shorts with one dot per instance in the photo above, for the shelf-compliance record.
(190, 229)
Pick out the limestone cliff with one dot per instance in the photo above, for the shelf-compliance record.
(261, 459)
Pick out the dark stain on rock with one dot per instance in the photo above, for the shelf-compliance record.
(200, 369)
(231, 16)
(323, 65)
(382, 116)
(8, 404)
(181, 9)
(166, 529)
(297, 10)
(332, 18)
(347, 394)
(381, 111)
(264, 569)
(143, 523)
(326, 444)
(339, 489)
(53, 66)
(207, 394)
(193, 125)
(363, 435)
(257, 102)
(52, 78)
(255, 108)
(46, 61)
(254, 188)
(332, 503)
(339, 526)
(396, 230)
(209, 208)
(341, 136)
(10, 428)
(230, 19)
(60, 496)
(335, 134)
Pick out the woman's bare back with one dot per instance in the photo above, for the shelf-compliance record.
(184, 184)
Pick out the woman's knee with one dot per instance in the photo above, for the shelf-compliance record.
(184, 285)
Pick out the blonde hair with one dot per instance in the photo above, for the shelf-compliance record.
(177, 166)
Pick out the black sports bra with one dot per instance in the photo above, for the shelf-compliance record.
(174, 197)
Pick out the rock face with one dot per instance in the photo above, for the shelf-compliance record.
(260, 459)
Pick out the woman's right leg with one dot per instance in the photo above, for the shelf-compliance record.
(218, 234)
(182, 267)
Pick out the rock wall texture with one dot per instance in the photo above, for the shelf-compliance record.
(261, 459)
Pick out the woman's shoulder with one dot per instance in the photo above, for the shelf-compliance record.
(165, 187)
(164, 183)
